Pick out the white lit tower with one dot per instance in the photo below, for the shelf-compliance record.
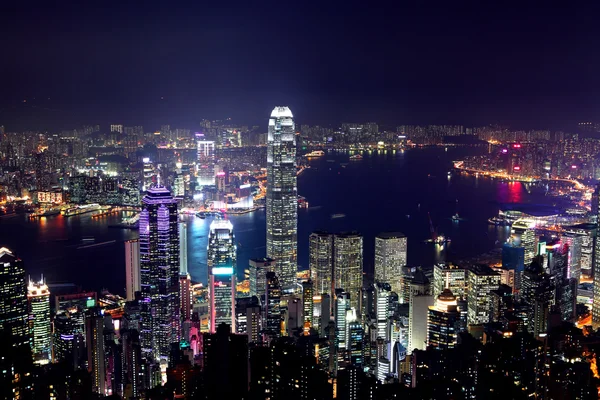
(390, 257)
(221, 259)
(159, 273)
(282, 196)
(38, 299)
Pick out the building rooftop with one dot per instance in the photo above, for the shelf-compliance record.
(281, 112)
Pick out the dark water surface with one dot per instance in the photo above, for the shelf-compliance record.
(386, 191)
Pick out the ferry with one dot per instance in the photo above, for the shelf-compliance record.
(316, 153)
(356, 157)
(69, 212)
(45, 213)
(499, 221)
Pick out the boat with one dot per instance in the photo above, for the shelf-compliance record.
(335, 216)
(356, 157)
(81, 210)
(455, 218)
(441, 240)
(316, 153)
(498, 221)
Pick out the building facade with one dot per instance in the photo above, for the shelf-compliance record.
(348, 265)
(390, 257)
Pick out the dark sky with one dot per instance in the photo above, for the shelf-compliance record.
(527, 64)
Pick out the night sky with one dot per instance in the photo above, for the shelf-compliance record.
(417, 62)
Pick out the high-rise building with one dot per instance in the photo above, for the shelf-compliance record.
(321, 261)
(307, 303)
(342, 306)
(282, 196)
(13, 298)
(481, 280)
(390, 257)
(94, 330)
(449, 276)
(442, 322)
(131, 364)
(159, 273)
(38, 298)
(596, 262)
(222, 258)
(523, 235)
(206, 162)
(382, 308)
(419, 302)
(185, 281)
(132, 268)
(356, 336)
(537, 293)
(68, 342)
(348, 265)
(116, 128)
(258, 268)
(272, 305)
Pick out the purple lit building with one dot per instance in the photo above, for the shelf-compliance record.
(159, 273)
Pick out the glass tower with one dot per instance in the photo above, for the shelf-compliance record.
(221, 258)
(390, 257)
(282, 197)
(348, 265)
(38, 297)
(159, 273)
(13, 297)
(320, 262)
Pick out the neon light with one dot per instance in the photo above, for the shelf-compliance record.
(517, 168)
(573, 166)
(504, 151)
(222, 271)
(517, 146)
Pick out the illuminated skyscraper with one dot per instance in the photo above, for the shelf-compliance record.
(159, 273)
(185, 281)
(449, 276)
(442, 321)
(481, 280)
(390, 257)
(596, 261)
(419, 302)
(94, 329)
(321, 261)
(221, 258)
(38, 298)
(13, 297)
(307, 303)
(282, 196)
(206, 162)
(382, 308)
(258, 276)
(273, 305)
(348, 265)
(132, 268)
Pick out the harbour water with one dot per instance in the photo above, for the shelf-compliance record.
(385, 191)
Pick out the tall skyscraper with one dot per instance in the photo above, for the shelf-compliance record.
(258, 268)
(390, 257)
(206, 162)
(94, 329)
(442, 321)
(596, 261)
(159, 273)
(185, 281)
(320, 261)
(132, 268)
(449, 276)
(348, 265)
(307, 303)
(38, 298)
(222, 258)
(273, 305)
(419, 302)
(13, 298)
(282, 196)
(481, 280)
(382, 308)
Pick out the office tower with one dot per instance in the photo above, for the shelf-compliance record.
(442, 322)
(38, 298)
(513, 259)
(321, 261)
(574, 240)
(566, 287)
(502, 302)
(149, 176)
(449, 276)
(116, 128)
(390, 257)
(225, 357)
(206, 162)
(356, 343)
(13, 298)
(342, 305)
(481, 280)
(258, 276)
(523, 235)
(537, 293)
(131, 368)
(159, 273)
(282, 196)
(596, 261)
(326, 314)
(307, 303)
(382, 308)
(222, 258)
(132, 268)
(272, 305)
(185, 281)
(348, 265)
(94, 330)
(419, 302)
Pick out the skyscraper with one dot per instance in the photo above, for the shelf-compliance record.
(282, 196)
(159, 273)
(321, 261)
(185, 281)
(419, 302)
(348, 265)
(132, 268)
(94, 329)
(221, 258)
(273, 305)
(38, 299)
(258, 276)
(307, 303)
(481, 280)
(596, 261)
(449, 276)
(390, 257)
(13, 297)
(442, 321)
(382, 308)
